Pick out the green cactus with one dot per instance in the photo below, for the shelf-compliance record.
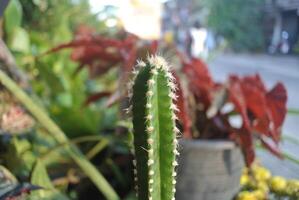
(155, 144)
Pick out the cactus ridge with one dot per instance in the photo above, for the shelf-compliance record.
(155, 144)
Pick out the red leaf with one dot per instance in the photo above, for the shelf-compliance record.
(257, 109)
(200, 80)
(262, 112)
(92, 53)
(73, 44)
(129, 57)
(154, 47)
(99, 68)
(255, 95)
(238, 99)
(256, 81)
(115, 97)
(83, 30)
(96, 96)
(246, 143)
(276, 102)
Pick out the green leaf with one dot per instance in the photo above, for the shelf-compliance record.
(65, 99)
(51, 79)
(19, 40)
(18, 157)
(12, 16)
(41, 178)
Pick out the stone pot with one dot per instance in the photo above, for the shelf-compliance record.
(208, 170)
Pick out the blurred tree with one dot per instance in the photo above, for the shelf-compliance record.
(238, 21)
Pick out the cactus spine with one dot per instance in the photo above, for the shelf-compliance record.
(155, 144)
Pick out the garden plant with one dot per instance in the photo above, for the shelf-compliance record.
(155, 143)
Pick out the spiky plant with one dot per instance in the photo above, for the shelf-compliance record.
(155, 144)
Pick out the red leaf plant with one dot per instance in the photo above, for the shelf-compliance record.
(262, 111)
(99, 54)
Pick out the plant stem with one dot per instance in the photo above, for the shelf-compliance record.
(290, 139)
(285, 155)
(40, 115)
(97, 148)
(78, 140)
(293, 111)
(290, 158)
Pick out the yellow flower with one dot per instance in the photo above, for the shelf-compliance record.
(262, 174)
(245, 195)
(278, 184)
(294, 183)
(244, 180)
(262, 186)
(259, 194)
(293, 187)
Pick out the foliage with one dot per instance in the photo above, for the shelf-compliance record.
(154, 129)
(10, 188)
(60, 137)
(100, 54)
(239, 22)
(41, 178)
(261, 112)
(258, 183)
(61, 94)
(41, 25)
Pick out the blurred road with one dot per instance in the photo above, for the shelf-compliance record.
(271, 69)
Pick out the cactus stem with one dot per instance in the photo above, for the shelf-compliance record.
(150, 141)
(149, 117)
(151, 172)
(151, 82)
(150, 93)
(154, 129)
(150, 129)
(150, 162)
(141, 63)
(154, 71)
(148, 105)
(175, 163)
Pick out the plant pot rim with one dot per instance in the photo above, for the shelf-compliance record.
(208, 144)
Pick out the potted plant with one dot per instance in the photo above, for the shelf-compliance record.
(221, 126)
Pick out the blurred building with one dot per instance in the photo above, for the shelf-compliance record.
(282, 24)
(185, 20)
